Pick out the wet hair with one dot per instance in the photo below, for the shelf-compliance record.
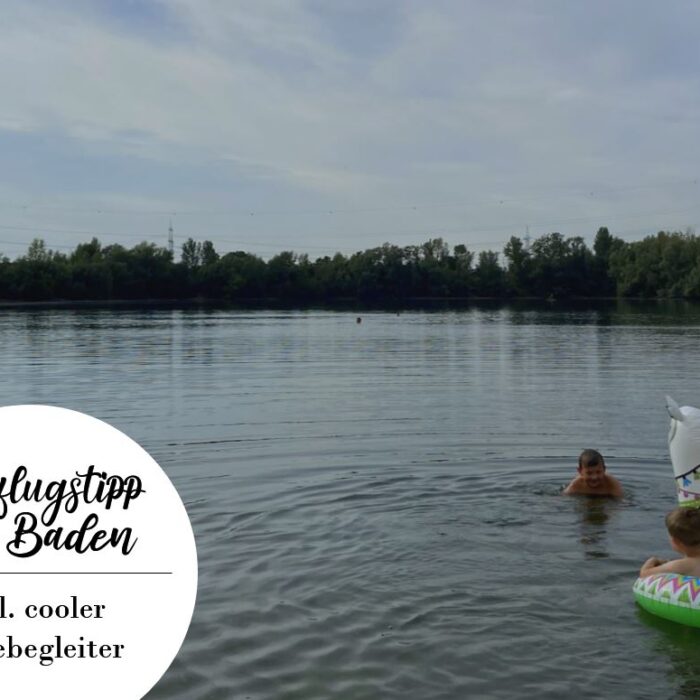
(683, 524)
(591, 458)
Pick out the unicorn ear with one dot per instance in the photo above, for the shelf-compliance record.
(673, 410)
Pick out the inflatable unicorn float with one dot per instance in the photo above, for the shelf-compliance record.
(673, 596)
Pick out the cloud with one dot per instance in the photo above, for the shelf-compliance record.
(514, 111)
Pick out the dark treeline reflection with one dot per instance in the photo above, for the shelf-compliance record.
(553, 266)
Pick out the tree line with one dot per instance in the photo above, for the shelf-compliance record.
(666, 265)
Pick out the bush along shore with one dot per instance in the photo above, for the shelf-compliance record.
(666, 265)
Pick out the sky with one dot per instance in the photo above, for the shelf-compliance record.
(324, 126)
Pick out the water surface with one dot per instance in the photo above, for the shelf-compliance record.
(377, 506)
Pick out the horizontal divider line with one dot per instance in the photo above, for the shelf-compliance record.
(86, 573)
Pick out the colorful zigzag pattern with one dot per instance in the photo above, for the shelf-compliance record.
(672, 588)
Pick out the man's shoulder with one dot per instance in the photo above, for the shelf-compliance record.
(576, 486)
(614, 485)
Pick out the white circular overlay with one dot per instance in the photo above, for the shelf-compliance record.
(98, 566)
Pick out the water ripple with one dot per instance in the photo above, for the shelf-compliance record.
(378, 507)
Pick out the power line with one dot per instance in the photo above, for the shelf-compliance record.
(546, 191)
(495, 246)
(433, 232)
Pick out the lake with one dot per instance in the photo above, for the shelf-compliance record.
(377, 505)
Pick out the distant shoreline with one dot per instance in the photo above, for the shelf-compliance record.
(274, 303)
(550, 268)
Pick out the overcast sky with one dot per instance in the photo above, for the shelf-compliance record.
(336, 125)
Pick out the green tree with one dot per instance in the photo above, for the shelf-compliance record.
(208, 255)
(87, 253)
(461, 282)
(561, 266)
(519, 270)
(191, 254)
(37, 251)
(490, 277)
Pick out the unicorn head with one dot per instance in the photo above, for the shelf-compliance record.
(684, 445)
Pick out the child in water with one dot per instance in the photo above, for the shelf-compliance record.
(683, 526)
(592, 479)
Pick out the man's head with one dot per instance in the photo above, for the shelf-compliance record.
(591, 468)
(683, 525)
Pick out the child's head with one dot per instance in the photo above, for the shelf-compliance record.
(684, 526)
(591, 467)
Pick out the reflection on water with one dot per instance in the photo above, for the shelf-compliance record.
(377, 506)
(595, 513)
(678, 645)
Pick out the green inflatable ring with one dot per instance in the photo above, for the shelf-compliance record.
(671, 596)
